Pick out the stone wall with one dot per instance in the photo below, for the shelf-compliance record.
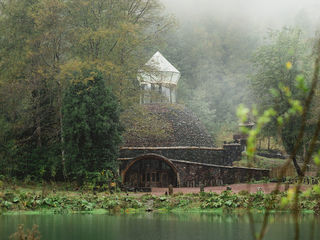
(193, 174)
(232, 152)
(219, 156)
(195, 165)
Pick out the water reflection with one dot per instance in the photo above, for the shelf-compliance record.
(159, 226)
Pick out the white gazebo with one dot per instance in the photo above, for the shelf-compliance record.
(158, 80)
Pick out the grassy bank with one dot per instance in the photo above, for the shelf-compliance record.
(36, 200)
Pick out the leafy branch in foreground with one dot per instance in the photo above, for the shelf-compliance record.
(294, 115)
(283, 82)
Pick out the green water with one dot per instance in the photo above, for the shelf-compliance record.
(154, 226)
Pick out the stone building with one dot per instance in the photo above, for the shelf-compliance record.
(168, 144)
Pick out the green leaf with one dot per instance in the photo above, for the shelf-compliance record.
(316, 189)
(242, 113)
(284, 202)
(316, 160)
(301, 83)
(274, 92)
(280, 120)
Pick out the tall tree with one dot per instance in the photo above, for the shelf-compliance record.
(40, 39)
(91, 124)
(115, 34)
(30, 52)
(278, 63)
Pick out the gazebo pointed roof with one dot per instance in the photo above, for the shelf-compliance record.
(158, 70)
(160, 63)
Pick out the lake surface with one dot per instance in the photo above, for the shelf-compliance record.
(156, 226)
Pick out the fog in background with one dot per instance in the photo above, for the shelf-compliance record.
(262, 13)
(213, 47)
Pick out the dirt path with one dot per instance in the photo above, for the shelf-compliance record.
(266, 187)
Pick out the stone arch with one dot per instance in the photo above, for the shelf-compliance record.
(152, 157)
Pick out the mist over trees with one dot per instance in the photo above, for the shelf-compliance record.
(42, 44)
(70, 98)
(215, 51)
(45, 43)
(214, 59)
(282, 81)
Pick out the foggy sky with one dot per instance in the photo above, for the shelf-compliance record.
(266, 12)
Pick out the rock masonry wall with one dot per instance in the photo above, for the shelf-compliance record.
(199, 165)
(219, 156)
(193, 174)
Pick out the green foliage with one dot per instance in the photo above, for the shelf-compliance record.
(68, 202)
(40, 40)
(281, 81)
(29, 55)
(283, 67)
(8, 148)
(101, 181)
(116, 34)
(91, 127)
(252, 134)
(226, 199)
(316, 158)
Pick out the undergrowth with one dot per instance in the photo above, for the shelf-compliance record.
(63, 203)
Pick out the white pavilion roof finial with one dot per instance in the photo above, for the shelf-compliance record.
(161, 71)
(160, 63)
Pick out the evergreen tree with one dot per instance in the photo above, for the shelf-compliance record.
(39, 39)
(91, 125)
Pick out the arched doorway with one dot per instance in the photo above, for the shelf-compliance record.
(150, 170)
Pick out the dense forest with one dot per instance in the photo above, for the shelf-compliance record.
(58, 62)
(96, 140)
(68, 69)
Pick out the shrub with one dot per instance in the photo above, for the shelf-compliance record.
(91, 127)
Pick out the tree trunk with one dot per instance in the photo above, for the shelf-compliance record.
(63, 159)
(38, 119)
(297, 167)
